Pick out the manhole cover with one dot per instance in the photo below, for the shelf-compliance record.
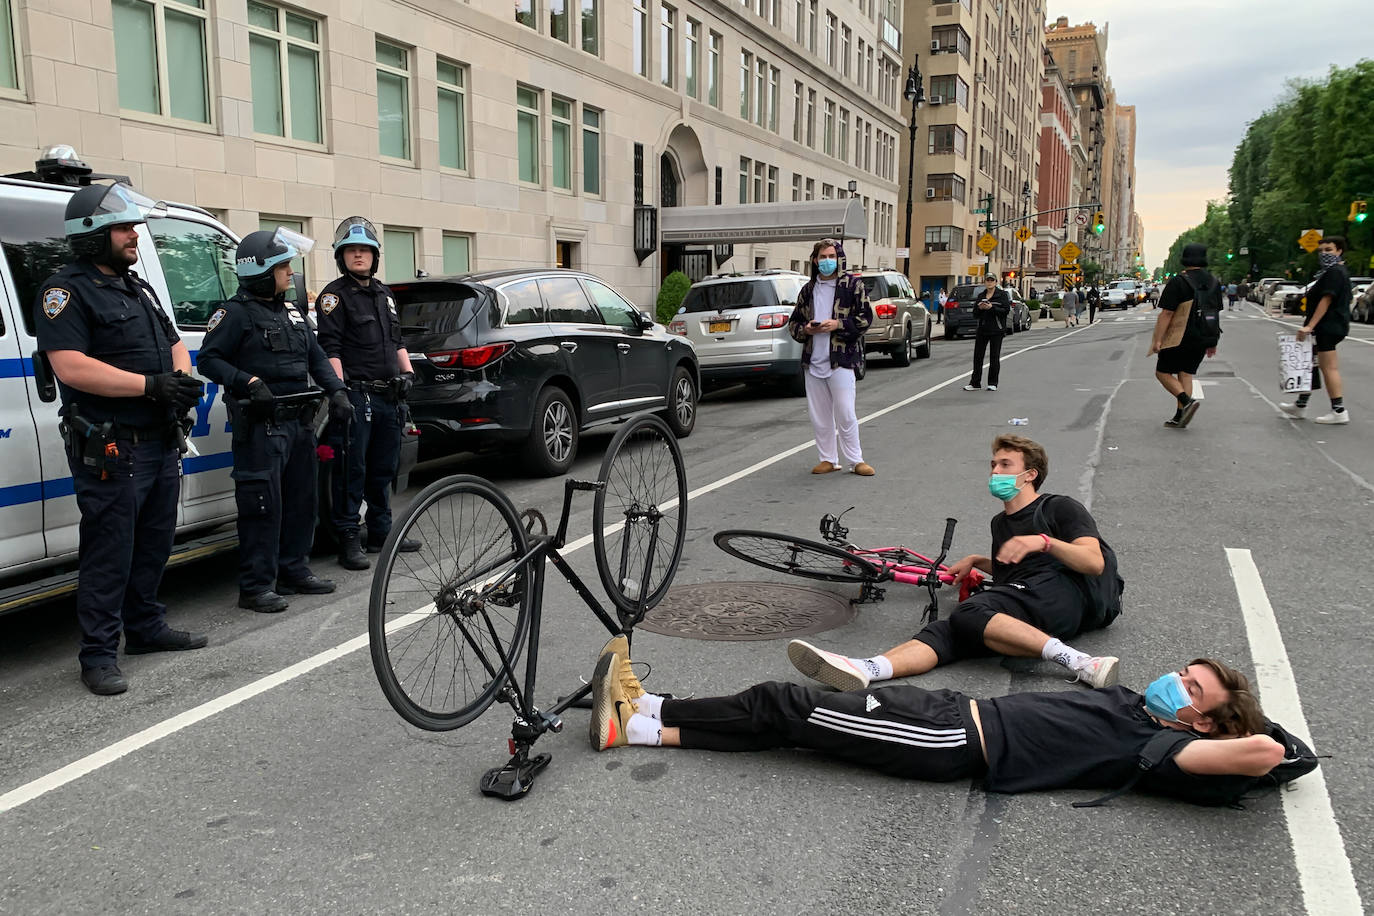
(746, 610)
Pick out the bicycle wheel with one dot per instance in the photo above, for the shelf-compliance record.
(639, 516)
(440, 618)
(797, 556)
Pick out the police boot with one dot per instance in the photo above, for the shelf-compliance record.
(351, 554)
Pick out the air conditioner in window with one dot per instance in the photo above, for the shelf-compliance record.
(930, 193)
(980, 78)
(937, 100)
(934, 46)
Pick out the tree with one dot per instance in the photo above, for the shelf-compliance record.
(671, 294)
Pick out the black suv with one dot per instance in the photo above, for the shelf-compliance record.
(530, 358)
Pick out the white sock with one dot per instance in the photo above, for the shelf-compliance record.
(1068, 656)
(651, 704)
(878, 667)
(644, 731)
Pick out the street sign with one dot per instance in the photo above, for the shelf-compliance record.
(979, 259)
(987, 243)
(1309, 240)
(1068, 268)
(982, 210)
(975, 270)
(1070, 251)
(1023, 234)
(903, 252)
(1245, 251)
(1081, 217)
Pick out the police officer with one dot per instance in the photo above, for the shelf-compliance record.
(260, 349)
(361, 333)
(125, 380)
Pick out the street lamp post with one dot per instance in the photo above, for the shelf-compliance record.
(915, 94)
(1025, 212)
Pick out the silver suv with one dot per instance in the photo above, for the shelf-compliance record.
(738, 324)
(900, 325)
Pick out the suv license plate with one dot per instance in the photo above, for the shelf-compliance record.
(719, 327)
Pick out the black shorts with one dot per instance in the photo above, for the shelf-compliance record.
(1324, 342)
(1185, 358)
(1050, 602)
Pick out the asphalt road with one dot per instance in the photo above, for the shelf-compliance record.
(313, 796)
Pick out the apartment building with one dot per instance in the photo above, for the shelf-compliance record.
(978, 133)
(478, 134)
(1063, 161)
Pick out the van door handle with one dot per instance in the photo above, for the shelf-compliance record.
(569, 345)
(43, 377)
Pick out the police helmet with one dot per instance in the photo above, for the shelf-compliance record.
(356, 230)
(260, 252)
(95, 209)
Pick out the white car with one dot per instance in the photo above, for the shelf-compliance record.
(1273, 299)
(1119, 294)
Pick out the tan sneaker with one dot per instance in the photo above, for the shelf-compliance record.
(620, 645)
(1100, 671)
(826, 667)
(611, 709)
(825, 467)
(864, 469)
(629, 684)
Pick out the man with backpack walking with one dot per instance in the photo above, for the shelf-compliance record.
(1054, 576)
(1182, 347)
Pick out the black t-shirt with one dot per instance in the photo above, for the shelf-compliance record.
(1080, 739)
(1333, 282)
(1063, 518)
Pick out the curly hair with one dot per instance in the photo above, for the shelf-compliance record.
(1032, 453)
(1240, 715)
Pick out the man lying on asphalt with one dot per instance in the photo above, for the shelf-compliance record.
(1096, 739)
(1042, 548)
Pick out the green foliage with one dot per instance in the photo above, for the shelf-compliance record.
(671, 294)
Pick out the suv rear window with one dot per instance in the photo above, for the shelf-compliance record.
(965, 293)
(436, 308)
(742, 294)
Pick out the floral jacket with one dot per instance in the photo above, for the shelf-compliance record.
(851, 310)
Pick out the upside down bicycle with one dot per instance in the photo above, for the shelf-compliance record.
(449, 623)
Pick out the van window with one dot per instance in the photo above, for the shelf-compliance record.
(198, 262)
(35, 248)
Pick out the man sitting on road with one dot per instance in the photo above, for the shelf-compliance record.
(1042, 548)
(1098, 739)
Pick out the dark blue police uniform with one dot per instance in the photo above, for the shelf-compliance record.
(128, 501)
(359, 326)
(274, 455)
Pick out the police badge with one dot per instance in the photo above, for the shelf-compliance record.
(54, 301)
(328, 302)
(215, 319)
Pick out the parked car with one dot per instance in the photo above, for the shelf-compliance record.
(1260, 291)
(738, 326)
(528, 359)
(1119, 294)
(1362, 304)
(901, 325)
(962, 319)
(1019, 318)
(1278, 292)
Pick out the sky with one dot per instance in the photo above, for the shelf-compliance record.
(1198, 72)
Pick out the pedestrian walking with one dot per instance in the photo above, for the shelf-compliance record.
(1327, 325)
(1181, 349)
(1094, 300)
(1243, 291)
(1232, 291)
(360, 332)
(1069, 303)
(829, 321)
(991, 307)
(125, 379)
(942, 298)
(259, 349)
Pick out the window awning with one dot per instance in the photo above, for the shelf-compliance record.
(798, 221)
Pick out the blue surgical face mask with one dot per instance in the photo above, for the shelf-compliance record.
(1166, 697)
(1003, 486)
(827, 266)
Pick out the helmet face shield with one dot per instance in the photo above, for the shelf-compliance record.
(299, 244)
(356, 231)
(120, 205)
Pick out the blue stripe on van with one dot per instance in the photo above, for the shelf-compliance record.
(64, 486)
(15, 368)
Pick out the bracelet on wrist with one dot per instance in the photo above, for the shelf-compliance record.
(1046, 548)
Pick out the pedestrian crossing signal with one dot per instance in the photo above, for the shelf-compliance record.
(1359, 209)
(1099, 222)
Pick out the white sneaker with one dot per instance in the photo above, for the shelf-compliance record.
(992, 388)
(973, 387)
(1334, 419)
(1100, 671)
(1294, 410)
(827, 667)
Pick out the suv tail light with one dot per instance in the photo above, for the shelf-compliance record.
(770, 320)
(885, 310)
(678, 326)
(471, 357)
(951, 304)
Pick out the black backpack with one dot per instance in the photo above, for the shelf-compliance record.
(1104, 590)
(1204, 321)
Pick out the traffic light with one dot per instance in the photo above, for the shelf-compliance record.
(1230, 255)
(1099, 222)
(1359, 209)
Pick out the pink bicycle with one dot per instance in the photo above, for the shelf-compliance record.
(838, 560)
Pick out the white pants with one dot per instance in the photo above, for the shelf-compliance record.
(831, 403)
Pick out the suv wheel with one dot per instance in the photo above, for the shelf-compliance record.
(682, 403)
(902, 355)
(552, 443)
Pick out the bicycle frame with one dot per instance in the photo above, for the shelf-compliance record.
(928, 573)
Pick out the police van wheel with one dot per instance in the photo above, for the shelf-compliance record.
(552, 443)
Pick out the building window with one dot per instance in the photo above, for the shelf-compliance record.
(772, 184)
(691, 60)
(9, 57)
(946, 187)
(746, 69)
(160, 57)
(797, 111)
(713, 73)
(393, 100)
(640, 38)
(399, 245)
(561, 129)
(951, 38)
(758, 181)
(868, 147)
(827, 191)
(761, 93)
(811, 26)
(744, 169)
(773, 78)
(844, 48)
(950, 88)
(591, 150)
(832, 26)
(801, 22)
(947, 138)
(868, 69)
(810, 189)
(828, 136)
(527, 132)
(843, 135)
(560, 22)
(453, 131)
(591, 26)
(811, 118)
(284, 55)
(859, 64)
(666, 27)
(796, 186)
(524, 13)
(457, 254)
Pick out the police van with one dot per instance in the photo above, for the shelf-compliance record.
(188, 257)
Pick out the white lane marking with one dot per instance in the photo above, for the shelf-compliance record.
(1328, 884)
(109, 754)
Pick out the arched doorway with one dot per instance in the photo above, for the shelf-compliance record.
(684, 181)
(669, 181)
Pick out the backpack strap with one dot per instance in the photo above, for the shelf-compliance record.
(1158, 749)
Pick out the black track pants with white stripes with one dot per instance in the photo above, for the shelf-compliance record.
(900, 730)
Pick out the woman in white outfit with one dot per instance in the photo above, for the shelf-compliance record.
(829, 321)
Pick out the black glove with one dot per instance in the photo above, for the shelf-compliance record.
(340, 407)
(177, 388)
(260, 394)
(403, 383)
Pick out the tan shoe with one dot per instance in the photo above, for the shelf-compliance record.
(864, 469)
(629, 684)
(825, 467)
(611, 709)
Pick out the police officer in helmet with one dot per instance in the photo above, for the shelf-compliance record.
(261, 350)
(360, 331)
(125, 380)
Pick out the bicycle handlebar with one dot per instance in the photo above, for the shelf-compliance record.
(949, 537)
